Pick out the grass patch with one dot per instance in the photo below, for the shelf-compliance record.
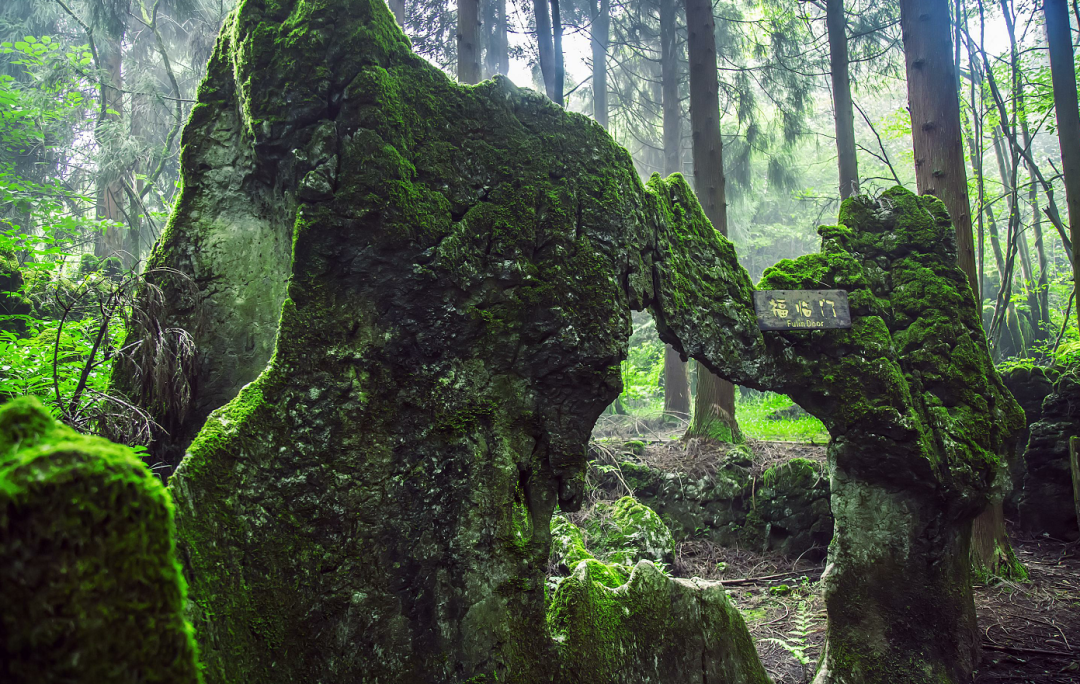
(757, 415)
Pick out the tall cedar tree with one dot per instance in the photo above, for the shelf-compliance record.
(601, 34)
(836, 23)
(935, 118)
(1063, 74)
(549, 45)
(468, 41)
(714, 404)
(676, 377)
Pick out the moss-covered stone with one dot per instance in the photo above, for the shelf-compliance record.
(91, 588)
(786, 509)
(13, 303)
(922, 430)
(1046, 499)
(649, 629)
(621, 532)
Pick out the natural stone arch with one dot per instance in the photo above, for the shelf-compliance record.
(463, 262)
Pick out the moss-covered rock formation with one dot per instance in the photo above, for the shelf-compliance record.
(649, 628)
(1030, 386)
(922, 431)
(454, 269)
(461, 264)
(12, 301)
(1046, 498)
(91, 590)
(615, 616)
(620, 533)
(784, 509)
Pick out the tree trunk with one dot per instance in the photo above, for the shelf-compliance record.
(601, 27)
(502, 43)
(676, 371)
(398, 8)
(935, 118)
(560, 70)
(714, 405)
(545, 47)
(1063, 73)
(468, 41)
(847, 160)
(110, 193)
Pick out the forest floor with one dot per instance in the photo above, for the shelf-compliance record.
(1030, 631)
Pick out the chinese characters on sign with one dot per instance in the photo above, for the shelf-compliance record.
(802, 309)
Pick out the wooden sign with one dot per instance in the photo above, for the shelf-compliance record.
(802, 309)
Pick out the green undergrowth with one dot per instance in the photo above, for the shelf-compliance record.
(753, 414)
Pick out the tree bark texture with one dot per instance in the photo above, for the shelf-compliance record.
(601, 27)
(1063, 73)
(714, 405)
(676, 371)
(545, 47)
(560, 69)
(468, 41)
(847, 159)
(935, 118)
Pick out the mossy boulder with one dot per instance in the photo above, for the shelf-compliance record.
(621, 532)
(632, 532)
(649, 628)
(1030, 386)
(922, 433)
(786, 509)
(13, 303)
(567, 545)
(1045, 503)
(91, 588)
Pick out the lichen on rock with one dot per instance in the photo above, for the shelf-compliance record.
(91, 588)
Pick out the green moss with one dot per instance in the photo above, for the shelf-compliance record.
(636, 630)
(92, 590)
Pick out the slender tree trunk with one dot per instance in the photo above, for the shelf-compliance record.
(502, 43)
(935, 118)
(1063, 73)
(676, 371)
(560, 69)
(847, 159)
(714, 405)
(489, 24)
(545, 47)
(110, 193)
(468, 41)
(601, 28)
(398, 8)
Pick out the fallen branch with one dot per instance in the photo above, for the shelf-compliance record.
(1028, 651)
(754, 580)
